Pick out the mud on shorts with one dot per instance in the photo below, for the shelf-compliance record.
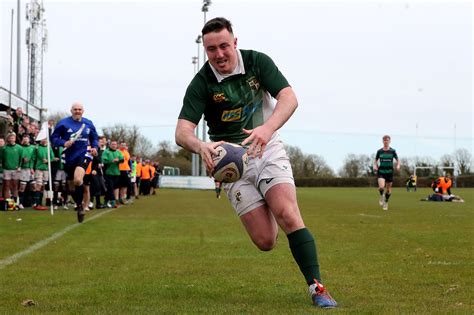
(262, 174)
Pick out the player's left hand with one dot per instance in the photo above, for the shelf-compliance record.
(94, 152)
(258, 139)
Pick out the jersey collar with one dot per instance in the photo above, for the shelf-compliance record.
(239, 69)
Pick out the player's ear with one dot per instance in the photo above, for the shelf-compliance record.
(235, 42)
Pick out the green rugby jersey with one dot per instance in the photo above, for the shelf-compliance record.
(41, 156)
(386, 160)
(28, 153)
(238, 101)
(11, 157)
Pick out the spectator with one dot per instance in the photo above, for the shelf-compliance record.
(124, 167)
(111, 159)
(27, 172)
(146, 178)
(11, 161)
(41, 173)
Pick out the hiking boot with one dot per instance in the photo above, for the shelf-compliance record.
(320, 296)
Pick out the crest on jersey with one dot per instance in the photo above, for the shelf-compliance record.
(253, 83)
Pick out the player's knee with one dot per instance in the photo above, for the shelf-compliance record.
(289, 220)
(266, 244)
(77, 181)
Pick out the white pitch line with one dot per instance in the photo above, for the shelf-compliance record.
(370, 215)
(12, 259)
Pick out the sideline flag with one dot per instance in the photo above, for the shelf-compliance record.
(43, 134)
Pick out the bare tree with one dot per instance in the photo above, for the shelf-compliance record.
(296, 157)
(316, 166)
(463, 159)
(352, 166)
(166, 149)
(144, 147)
(446, 160)
(57, 116)
(406, 167)
(123, 133)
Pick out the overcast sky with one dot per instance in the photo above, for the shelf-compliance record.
(360, 69)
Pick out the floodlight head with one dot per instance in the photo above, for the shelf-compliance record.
(205, 5)
(199, 39)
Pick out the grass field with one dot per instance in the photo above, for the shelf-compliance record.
(184, 252)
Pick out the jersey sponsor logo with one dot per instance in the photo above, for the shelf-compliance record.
(219, 97)
(253, 83)
(232, 115)
(69, 130)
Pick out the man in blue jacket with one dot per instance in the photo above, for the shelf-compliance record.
(75, 134)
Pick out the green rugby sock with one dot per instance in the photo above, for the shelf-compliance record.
(303, 248)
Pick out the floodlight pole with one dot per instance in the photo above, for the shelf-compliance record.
(18, 50)
(194, 156)
(204, 9)
(198, 66)
(11, 66)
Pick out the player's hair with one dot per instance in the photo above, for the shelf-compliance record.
(216, 25)
(386, 137)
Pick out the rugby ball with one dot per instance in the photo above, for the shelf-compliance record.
(230, 163)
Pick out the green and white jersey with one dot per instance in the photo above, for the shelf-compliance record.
(386, 160)
(41, 160)
(28, 154)
(11, 157)
(231, 103)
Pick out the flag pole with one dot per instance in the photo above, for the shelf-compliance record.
(48, 145)
(50, 192)
(44, 134)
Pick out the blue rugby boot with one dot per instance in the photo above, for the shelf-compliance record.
(320, 296)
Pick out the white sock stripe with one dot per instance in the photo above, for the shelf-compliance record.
(12, 259)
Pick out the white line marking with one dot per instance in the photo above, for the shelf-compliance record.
(12, 259)
(370, 215)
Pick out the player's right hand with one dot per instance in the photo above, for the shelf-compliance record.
(207, 150)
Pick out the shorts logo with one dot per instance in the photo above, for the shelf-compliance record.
(219, 97)
(238, 196)
(232, 115)
(267, 181)
(253, 83)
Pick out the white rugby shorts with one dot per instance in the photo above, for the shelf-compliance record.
(41, 177)
(26, 175)
(273, 168)
(11, 175)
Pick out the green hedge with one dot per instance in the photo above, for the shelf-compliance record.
(461, 181)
